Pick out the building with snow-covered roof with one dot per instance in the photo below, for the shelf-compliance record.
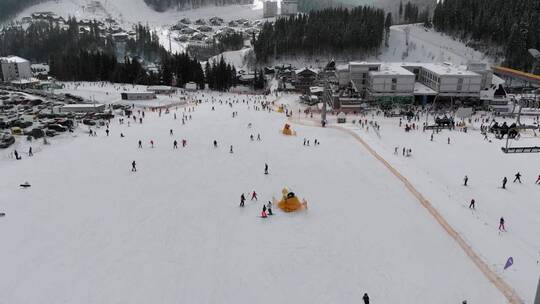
(161, 89)
(289, 7)
(270, 9)
(358, 73)
(390, 80)
(14, 68)
(448, 80)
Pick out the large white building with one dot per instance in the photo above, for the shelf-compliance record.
(270, 9)
(391, 80)
(289, 7)
(377, 79)
(14, 68)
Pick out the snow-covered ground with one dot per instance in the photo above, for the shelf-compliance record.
(90, 230)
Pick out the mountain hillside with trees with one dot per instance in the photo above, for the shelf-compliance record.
(513, 26)
(328, 31)
(163, 5)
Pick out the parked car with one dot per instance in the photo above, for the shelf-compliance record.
(57, 127)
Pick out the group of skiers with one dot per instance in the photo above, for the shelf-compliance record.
(266, 209)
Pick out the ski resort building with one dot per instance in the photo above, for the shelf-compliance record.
(289, 7)
(161, 89)
(13, 68)
(138, 95)
(448, 80)
(270, 9)
(304, 79)
(390, 80)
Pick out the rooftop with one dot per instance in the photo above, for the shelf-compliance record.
(13, 59)
(392, 69)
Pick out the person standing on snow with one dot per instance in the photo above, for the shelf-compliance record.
(184, 143)
(170, 132)
(140, 144)
(30, 153)
(175, 145)
(215, 143)
(471, 205)
(242, 200)
(258, 136)
(269, 207)
(538, 180)
(365, 298)
(504, 181)
(266, 169)
(518, 177)
(152, 143)
(231, 150)
(465, 180)
(133, 166)
(254, 196)
(263, 213)
(501, 225)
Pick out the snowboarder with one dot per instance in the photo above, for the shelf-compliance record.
(266, 169)
(501, 225)
(263, 213)
(365, 298)
(242, 200)
(504, 181)
(254, 196)
(471, 205)
(140, 144)
(175, 144)
(269, 207)
(518, 177)
(133, 166)
(465, 180)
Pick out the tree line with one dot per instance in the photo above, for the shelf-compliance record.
(512, 25)
(328, 31)
(89, 55)
(163, 5)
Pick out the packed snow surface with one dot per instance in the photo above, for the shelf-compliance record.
(90, 230)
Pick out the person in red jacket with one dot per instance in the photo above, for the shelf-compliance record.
(254, 196)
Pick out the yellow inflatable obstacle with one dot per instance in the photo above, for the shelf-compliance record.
(281, 109)
(287, 130)
(291, 203)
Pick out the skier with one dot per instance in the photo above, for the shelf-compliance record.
(170, 132)
(258, 136)
(140, 144)
(152, 143)
(365, 298)
(133, 167)
(17, 157)
(184, 143)
(518, 177)
(504, 181)
(269, 207)
(242, 200)
(266, 169)
(175, 145)
(465, 180)
(263, 213)
(471, 205)
(254, 196)
(30, 153)
(501, 225)
(538, 180)
(231, 151)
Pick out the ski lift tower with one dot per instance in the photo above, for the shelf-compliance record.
(536, 55)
